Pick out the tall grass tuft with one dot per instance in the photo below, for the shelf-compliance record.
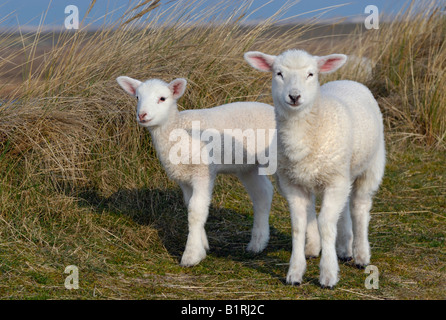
(70, 119)
(410, 76)
(69, 110)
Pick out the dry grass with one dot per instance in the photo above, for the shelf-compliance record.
(410, 73)
(80, 182)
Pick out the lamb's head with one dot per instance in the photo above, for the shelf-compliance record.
(295, 84)
(156, 98)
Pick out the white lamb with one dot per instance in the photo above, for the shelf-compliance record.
(330, 139)
(157, 110)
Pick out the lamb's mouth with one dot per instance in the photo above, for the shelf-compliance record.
(144, 121)
(294, 105)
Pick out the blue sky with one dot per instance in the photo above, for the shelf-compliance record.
(29, 12)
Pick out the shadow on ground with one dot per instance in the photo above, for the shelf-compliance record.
(228, 231)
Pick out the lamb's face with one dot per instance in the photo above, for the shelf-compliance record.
(156, 98)
(154, 102)
(294, 84)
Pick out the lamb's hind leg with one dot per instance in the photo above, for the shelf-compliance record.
(344, 237)
(363, 190)
(198, 210)
(260, 191)
(187, 192)
(361, 205)
(313, 240)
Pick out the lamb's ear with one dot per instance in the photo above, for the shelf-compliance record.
(128, 84)
(330, 63)
(178, 86)
(260, 61)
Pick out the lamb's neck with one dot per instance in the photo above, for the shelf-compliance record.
(160, 135)
(299, 122)
(296, 133)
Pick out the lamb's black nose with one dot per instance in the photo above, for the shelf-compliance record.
(294, 98)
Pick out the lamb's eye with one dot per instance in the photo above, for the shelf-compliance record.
(162, 99)
(280, 74)
(310, 75)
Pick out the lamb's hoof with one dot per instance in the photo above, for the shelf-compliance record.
(189, 263)
(328, 279)
(327, 287)
(361, 259)
(295, 283)
(345, 259)
(191, 259)
(258, 242)
(254, 247)
(294, 279)
(312, 251)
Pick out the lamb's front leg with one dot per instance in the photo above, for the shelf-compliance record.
(187, 194)
(198, 210)
(299, 201)
(335, 198)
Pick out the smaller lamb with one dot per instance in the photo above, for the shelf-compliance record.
(330, 139)
(157, 110)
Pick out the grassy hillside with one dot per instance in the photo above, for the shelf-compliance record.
(80, 183)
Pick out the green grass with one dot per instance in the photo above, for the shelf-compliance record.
(127, 244)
